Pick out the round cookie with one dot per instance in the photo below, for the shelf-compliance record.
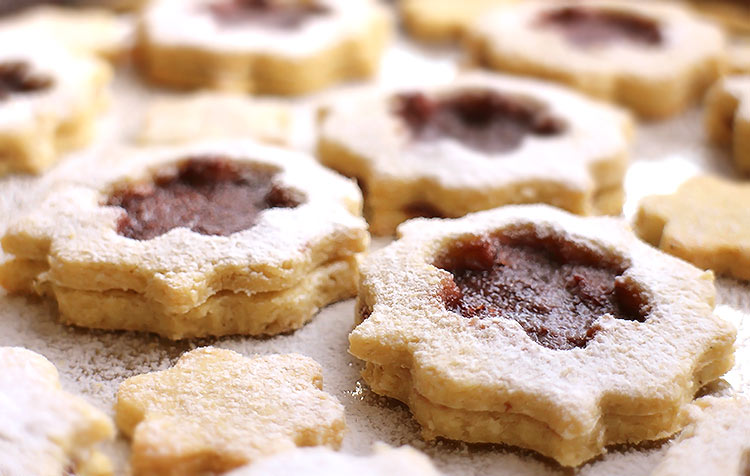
(655, 58)
(47, 431)
(266, 47)
(385, 461)
(479, 142)
(49, 100)
(227, 237)
(529, 326)
(727, 117)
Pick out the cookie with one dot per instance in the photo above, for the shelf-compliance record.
(385, 461)
(529, 326)
(187, 118)
(734, 15)
(442, 20)
(479, 142)
(656, 58)
(739, 56)
(49, 100)
(46, 430)
(90, 30)
(727, 117)
(264, 47)
(701, 223)
(227, 237)
(216, 410)
(716, 442)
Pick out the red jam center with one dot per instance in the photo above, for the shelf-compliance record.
(483, 120)
(17, 77)
(586, 26)
(554, 289)
(208, 195)
(269, 13)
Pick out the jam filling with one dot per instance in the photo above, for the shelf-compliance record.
(585, 26)
(270, 13)
(17, 77)
(554, 289)
(210, 195)
(481, 119)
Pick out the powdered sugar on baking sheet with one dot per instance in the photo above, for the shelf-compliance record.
(94, 363)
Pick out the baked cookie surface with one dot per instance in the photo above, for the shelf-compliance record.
(717, 441)
(703, 223)
(216, 410)
(727, 117)
(46, 430)
(733, 14)
(218, 238)
(385, 461)
(532, 327)
(277, 47)
(479, 142)
(49, 100)
(656, 58)
(443, 20)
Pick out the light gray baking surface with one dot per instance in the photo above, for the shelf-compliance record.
(93, 363)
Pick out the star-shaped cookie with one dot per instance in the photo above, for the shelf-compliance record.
(216, 410)
(704, 222)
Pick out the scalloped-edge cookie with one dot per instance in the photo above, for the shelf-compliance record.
(442, 20)
(656, 58)
(529, 326)
(216, 238)
(716, 442)
(206, 115)
(87, 30)
(46, 431)
(49, 100)
(479, 142)
(703, 222)
(384, 461)
(727, 117)
(277, 47)
(217, 410)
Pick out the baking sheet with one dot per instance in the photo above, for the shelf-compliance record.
(94, 363)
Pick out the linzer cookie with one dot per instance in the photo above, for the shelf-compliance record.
(385, 461)
(201, 116)
(716, 442)
(727, 117)
(46, 431)
(704, 222)
(226, 237)
(49, 99)
(656, 58)
(528, 326)
(216, 410)
(443, 20)
(480, 142)
(261, 46)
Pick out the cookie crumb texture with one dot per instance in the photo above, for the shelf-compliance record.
(268, 47)
(46, 430)
(216, 410)
(218, 238)
(528, 326)
(655, 58)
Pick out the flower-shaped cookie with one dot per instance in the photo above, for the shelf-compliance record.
(46, 431)
(717, 442)
(216, 410)
(262, 46)
(704, 222)
(656, 58)
(210, 239)
(529, 326)
(49, 99)
(385, 461)
(479, 142)
(727, 117)
(442, 20)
